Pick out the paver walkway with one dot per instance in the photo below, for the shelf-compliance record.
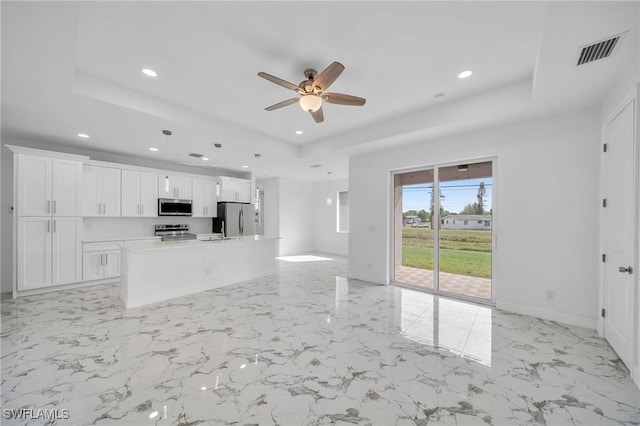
(459, 284)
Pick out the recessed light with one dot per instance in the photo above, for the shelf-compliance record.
(153, 149)
(465, 74)
(83, 135)
(149, 72)
(205, 158)
(299, 132)
(245, 166)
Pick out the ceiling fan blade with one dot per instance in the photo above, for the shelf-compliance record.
(279, 81)
(328, 76)
(282, 104)
(318, 115)
(342, 99)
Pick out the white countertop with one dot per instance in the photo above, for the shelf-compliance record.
(168, 245)
(111, 239)
(149, 237)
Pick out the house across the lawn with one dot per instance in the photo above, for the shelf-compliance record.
(467, 221)
(408, 220)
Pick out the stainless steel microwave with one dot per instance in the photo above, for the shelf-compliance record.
(171, 207)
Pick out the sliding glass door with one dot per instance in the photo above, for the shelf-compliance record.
(414, 230)
(443, 242)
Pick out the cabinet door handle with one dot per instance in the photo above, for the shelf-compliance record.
(55, 203)
(141, 209)
(48, 226)
(101, 259)
(106, 259)
(48, 206)
(54, 226)
(138, 209)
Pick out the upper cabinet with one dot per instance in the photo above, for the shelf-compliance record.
(139, 194)
(101, 191)
(49, 186)
(234, 190)
(173, 186)
(204, 198)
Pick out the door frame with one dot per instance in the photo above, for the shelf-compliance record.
(631, 97)
(494, 226)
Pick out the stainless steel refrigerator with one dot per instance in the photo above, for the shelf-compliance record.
(239, 219)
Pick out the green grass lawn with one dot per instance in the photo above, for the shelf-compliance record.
(462, 252)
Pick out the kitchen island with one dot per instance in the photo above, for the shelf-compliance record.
(154, 271)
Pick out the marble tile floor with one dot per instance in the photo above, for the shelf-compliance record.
(305, 346)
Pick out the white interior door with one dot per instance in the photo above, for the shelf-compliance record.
(619, 267)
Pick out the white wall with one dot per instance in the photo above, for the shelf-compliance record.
(545, 167)
(296, 217)
(326, 238)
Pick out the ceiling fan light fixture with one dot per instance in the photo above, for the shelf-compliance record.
(310, 103)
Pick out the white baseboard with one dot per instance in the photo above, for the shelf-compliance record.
(71, 286)
(365, 278)
(548, 314)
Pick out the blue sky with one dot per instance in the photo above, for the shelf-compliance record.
(457, 194)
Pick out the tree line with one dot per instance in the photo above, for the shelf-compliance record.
(477, 207)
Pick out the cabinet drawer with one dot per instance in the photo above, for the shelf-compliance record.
(112, 245)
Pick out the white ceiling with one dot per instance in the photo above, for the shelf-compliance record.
(76, 67)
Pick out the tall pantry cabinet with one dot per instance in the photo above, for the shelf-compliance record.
(48, 201)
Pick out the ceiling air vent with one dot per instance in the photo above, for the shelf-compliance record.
(194, 155)
(599, 50)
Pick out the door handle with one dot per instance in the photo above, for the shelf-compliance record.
(628, 269)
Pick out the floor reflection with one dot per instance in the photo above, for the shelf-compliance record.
(458, 327)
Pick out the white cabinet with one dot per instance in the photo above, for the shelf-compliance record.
(204, 198)
(100, 261)
(234, 190)
(49, 251)
(139, 194)
(101, 191)
(172, 186)
(49, 186)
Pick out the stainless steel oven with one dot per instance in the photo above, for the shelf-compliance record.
(171, 207)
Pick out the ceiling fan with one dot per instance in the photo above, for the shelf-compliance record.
(312, 90)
